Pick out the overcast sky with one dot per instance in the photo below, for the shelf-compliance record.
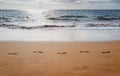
(60, 4)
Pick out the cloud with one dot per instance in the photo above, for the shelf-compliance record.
(20, 1)
(85, 1)
(66, 3)
(116, 1)
(83, 4)
(77, 1)
(60, 1)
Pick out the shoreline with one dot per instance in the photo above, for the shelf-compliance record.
(22, 41)
(59, 58)
(59, 35)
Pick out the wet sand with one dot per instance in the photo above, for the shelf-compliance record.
(60, 58)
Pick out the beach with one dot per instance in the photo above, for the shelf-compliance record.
(59, 42)
(40, 58)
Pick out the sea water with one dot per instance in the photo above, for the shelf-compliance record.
(59, 25)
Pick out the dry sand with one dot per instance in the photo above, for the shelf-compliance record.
(60, 58)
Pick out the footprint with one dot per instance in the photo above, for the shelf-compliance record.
(118, 49)
(106, 52)
(15, 53)
(77, 68)
(80, 68)
(38, 52)
(58, 53)
(34, 52)
(1, 65)
(64, 52)
(61, 53)
(81, 51)
(84, 51)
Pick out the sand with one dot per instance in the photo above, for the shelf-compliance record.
(60, 58)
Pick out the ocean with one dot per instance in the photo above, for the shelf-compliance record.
(60, 25)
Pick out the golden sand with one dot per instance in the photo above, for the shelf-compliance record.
(60, 58)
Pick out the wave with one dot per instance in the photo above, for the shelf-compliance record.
(12, 26)
(73, 16)
(79, 18)
(4, 19)
(102, 25)
(89, 25)
(67, 18)
(107, 18)
(63, 19)
(14, 18)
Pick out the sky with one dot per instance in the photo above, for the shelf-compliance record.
(59, 4)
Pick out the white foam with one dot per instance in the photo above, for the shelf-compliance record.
(58, 35)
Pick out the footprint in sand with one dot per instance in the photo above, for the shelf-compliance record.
(106, 52)
(84, 51)
(118, 49)
(15, 53)
(62, 53)
(1, 65)
(38, 52)
(80, 68)
(34, 52)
